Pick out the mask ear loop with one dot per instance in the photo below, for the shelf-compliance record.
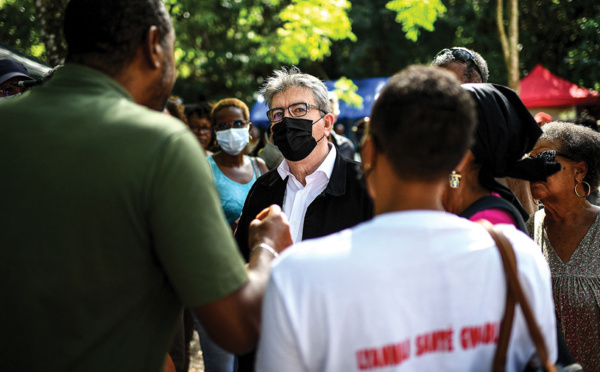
(317, 122)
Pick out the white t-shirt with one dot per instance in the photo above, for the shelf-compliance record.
(411, 291)
(298, 197)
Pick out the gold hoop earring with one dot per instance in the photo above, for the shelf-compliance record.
(454, 179)
(588, 192)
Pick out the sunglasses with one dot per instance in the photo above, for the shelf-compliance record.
(550, 155)
(462, 56)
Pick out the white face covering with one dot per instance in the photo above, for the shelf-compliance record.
(233, 140)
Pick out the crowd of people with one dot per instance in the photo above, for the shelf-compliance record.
(131, 219)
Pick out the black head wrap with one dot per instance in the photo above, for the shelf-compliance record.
(505, 132)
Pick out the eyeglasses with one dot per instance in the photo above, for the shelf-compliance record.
(201, 130)
(550, 155)
(296, 110)
(11, 90)
(462, 56)
(233, 124)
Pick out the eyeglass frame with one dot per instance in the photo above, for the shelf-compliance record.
(553, 155)
(200, 130)
(232, 125)
(308, 106)
(456, 53)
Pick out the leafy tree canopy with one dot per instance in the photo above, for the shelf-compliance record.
(227, 47)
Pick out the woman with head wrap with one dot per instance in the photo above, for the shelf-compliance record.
(505, 132)
(568, 231)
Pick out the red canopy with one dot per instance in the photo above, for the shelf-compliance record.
(541, 88)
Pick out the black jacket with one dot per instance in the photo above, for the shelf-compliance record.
(344, 202)
(489, 202)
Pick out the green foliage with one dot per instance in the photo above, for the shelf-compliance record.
(345, 89)
(226, 48)
(309, 26)
(19, 28)
(416, 14)
(563, 36)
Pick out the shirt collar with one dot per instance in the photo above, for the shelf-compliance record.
(326, 166)
(75, 75)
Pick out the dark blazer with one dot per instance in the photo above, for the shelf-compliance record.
(344, 202)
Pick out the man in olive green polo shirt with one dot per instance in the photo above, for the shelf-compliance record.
(110, 223)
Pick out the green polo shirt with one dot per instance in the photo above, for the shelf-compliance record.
(109, 225)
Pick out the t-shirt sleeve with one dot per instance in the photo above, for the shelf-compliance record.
(278, 348)
(191, 238)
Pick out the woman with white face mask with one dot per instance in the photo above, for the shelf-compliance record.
(234, 172)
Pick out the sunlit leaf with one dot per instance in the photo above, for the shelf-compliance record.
(416, 14)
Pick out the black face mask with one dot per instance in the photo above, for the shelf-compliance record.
(294, 138)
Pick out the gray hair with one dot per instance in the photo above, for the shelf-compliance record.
(579, 142)
(447, 58)
(284, 79)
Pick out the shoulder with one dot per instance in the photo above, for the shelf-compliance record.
(312, 254)
(268, 179)
(350, 166)
(529, 255)
(494, 216)
(261, 164)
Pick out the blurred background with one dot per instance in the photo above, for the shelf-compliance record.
(226, 48)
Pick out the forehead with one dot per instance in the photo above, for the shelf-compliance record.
(457, 68)
(545, 145)
(229, 113)
(293, 95)
(194, 119)
(11, 81)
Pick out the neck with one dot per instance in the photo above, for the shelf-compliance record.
(224, 158)
(469, 191)
(307, 166)
(569, 209)
(392, 194)
(406, 196)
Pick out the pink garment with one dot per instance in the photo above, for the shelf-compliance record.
(494, 215)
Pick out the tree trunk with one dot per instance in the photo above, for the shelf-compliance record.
(510, 43)
(50, 15)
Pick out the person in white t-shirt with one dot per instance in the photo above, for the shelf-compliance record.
(415, 288)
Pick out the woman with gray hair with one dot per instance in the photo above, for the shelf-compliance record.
(568, 231)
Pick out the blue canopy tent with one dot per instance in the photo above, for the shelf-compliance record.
(368, 89)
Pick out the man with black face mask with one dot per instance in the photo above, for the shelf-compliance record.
(320, 191)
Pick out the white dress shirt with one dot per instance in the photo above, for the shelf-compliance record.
(298, 197)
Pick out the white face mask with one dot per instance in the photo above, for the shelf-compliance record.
(233, 140)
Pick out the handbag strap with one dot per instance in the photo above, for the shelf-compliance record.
(514, 291)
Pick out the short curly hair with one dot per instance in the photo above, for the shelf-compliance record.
(107, 33)
(443, 59)
(579, 142)
(229, 102)
(423, 121)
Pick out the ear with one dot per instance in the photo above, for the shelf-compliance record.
(467, 159)
(328, 120)
(153, 50)
(581, 169)
(368, 151)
